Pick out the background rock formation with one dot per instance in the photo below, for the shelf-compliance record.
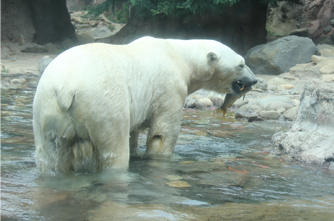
(311, 136)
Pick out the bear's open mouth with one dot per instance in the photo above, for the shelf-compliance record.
(238, 87)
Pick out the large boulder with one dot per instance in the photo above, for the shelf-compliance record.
(311, 135)
(279, 56)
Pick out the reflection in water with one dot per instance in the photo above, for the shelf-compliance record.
(222, 169)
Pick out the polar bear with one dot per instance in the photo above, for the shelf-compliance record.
(92, 100)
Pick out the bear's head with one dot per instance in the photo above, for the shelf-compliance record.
(227, 72)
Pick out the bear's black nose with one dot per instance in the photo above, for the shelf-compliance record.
(254, 82)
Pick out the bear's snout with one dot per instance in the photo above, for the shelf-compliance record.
(244, 83)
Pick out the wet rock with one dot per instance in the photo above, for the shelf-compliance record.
(269, 115)
(311, 136)
(199, 166)
(218, 102)
(291, 113)
(43, 63)
(178, 184)
(279, 56)
(173, 177)
(203, 103)
(224, 178)
(249, 111)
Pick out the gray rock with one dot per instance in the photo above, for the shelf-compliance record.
(291, 113)
(240, 102)
(266, 101)
(311, 136)
(43, 63)
(261, 84)
(50, 47)
(275, 105)
(33, 48)
(269, 115)
(327, 30)
(279, 56)
(249, 111)
(4, 52)
(100, 32)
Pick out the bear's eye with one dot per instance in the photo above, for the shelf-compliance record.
(241, 65)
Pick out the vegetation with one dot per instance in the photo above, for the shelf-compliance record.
(173, 8)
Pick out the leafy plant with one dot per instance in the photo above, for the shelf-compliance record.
(173, 8)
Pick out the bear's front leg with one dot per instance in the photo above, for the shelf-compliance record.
(163, 133)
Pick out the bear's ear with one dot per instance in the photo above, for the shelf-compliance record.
(212, 57)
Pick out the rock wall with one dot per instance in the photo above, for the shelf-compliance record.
(240, 27)
(319, 14)
(312, 18)
(311, 136)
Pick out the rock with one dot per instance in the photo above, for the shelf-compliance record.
(249, 111)
(240, 102)
(100, 32)
(261, 84)
(266, 101)
(305, 71)
(275, 105)
(280, 110)
(327, 30)
(269, 115)
(283, 17)
(311, 136)
(218, 102)
(291, 113)
(43, 63)
(203, 103)
(51, 47)
(317, 15)
(4, 52)
(33, 48)
(191, 103)
(326, 50)
(67, 43)
(316, 59)
(301, 32)
(84, 38)
(279, 56)
(178, 184)
(327, 77)
(287, 86)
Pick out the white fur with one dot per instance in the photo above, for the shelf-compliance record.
(92, 97)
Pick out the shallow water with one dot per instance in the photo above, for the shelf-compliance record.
(222, 169)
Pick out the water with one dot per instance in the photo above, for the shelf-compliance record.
(222, 169)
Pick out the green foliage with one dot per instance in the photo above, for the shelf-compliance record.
(172, 8)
